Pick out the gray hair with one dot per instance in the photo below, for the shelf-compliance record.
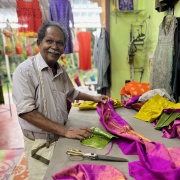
(45, 25)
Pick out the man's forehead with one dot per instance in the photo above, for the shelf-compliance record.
(54, 31)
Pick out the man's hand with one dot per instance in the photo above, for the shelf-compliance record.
(78, 133)
(102, 98)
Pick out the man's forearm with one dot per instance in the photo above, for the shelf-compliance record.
(39, 120)
(85, 97)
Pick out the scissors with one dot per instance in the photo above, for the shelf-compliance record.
(93, 156)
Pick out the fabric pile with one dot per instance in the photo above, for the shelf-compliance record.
(155, 160)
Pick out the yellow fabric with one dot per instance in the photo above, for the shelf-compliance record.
(153, 108)
(87, 105)
(92, 105)
(117, 103)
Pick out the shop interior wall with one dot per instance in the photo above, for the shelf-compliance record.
(120, 38)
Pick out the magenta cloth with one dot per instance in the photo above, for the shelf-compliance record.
(172, 131)
(128, 103)
(169, 111)
(156, 162)
(89, 172)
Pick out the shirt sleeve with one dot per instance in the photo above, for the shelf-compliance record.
(23, 91)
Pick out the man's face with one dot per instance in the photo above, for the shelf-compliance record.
(52, 46)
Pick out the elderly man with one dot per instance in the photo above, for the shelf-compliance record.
(40, 89)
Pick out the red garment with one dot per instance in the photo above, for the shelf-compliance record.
(29, 13)
(84, 39)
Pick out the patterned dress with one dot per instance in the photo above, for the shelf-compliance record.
(161, 73)
(29, 13)
(60, 11)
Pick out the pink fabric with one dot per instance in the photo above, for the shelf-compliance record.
(89, 172)
(155, 160)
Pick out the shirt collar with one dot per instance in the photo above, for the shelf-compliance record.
(43, 64)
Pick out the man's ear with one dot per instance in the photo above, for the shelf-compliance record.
(38, 42)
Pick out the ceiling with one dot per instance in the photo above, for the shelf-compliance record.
(87, 9)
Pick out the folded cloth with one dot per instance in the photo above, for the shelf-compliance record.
(166, 119)
(100, 138)
(153, 108)
(88, 105)
(89, 171)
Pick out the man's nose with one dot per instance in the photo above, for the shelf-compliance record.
(54, 45)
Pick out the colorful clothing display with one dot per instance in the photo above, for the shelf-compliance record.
(29, 14)
(161, 73)
(155, 160)
(89, 171)
(84, 39)
(60, 11)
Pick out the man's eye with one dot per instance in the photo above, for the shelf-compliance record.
(60, 43)
(49, 41)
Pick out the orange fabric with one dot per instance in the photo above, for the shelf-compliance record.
(135, 88)
(29, 13)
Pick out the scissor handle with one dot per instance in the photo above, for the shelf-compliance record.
(74, 152)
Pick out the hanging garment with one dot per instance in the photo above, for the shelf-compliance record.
(176, 63)
(29, 14)
(155, 160)
(84, 39)
(161, 72)
(103, 61)
(60, 11)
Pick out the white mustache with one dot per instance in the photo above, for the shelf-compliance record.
(53, 51)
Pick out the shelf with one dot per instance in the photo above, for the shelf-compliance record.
(126, 12)
(117, 12)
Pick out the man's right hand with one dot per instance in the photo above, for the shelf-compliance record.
(78, 133)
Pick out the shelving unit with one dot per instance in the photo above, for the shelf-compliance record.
(117, 12)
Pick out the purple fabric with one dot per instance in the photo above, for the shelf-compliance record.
(89, 172)
(169, 111)
(60, 11)
(128, 103)
(172, 131)
(156, 162)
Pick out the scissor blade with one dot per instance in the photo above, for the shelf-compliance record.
(109, 158)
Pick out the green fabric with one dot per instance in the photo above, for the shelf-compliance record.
(166, 119)
(99, 139)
